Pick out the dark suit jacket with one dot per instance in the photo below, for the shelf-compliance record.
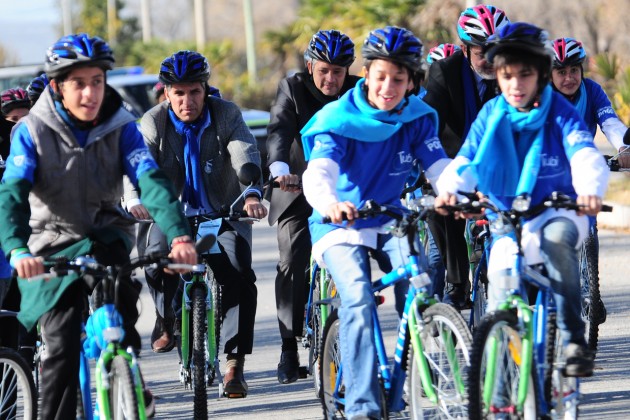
(297, 100)
(226, 145)
(445, 93)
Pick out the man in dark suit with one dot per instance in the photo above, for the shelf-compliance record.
(328, 57)
(200, 142)
(457, 88)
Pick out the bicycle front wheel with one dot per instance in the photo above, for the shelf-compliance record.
(495, 371)
(18, 398)
(122, 393)
(330, 363)
(446, 344)
(199, 331)
(315, 338)
(593, 312)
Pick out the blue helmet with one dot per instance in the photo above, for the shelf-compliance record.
(77, 50)
(519, 37)
(332, 46)
(36, 87)
(184, 67)
(396, 44)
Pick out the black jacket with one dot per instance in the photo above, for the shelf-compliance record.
(445, 93)
(5, 142)
(297, 100)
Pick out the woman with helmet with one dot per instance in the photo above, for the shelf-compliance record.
(15, 104)
(530, 141)
(588, 97)
(327, 58)
(78, 135)
(362, 147)
(201, 142)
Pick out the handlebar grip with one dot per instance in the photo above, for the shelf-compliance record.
(606, 208)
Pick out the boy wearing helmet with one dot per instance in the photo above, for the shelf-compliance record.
(15, 104)
(457, 88)
(362, 147)
(36, 87)
(328, 57)
(530, 141)
(77, 129)
(201, 142)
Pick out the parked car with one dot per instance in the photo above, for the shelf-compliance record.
(137, 91)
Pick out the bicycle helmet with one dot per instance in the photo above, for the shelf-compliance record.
(395, 44)
(331, 46)
(14, 98)
(77, 50)
(441, 51)
(477, 23)
(36, 87)
(519, 37)
(184, 67)
(567, 52)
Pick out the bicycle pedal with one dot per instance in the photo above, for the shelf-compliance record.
(303, 372)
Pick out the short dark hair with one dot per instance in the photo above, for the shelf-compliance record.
(541, 63)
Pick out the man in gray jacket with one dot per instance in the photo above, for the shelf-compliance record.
(201, 142)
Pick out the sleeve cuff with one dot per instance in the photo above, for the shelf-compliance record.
(279, 168)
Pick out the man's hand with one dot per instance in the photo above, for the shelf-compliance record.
(140, 212)
(29, 266)
(255, 208)
(592, 204)
(337, 210)
(183, 253)
(624, 157)
(289, 183)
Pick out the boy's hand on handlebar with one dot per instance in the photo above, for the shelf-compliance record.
(590, 204)
(442, 201)
(139, 212)
(289, 183)
(624, 157)
(336, 212)
(255, 208)
(29, 266)
(183, 253)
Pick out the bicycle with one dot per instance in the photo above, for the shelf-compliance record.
(479, 242)
(18, 395)
(593, 309)
(201, 305)
(517, 357)
(432, 334)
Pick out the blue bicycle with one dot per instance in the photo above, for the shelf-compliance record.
(433, 343)
(517, 358)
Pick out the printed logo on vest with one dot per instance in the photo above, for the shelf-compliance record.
(207, 167)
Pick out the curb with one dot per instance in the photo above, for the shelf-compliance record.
(618, 218)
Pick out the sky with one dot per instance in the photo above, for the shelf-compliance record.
(28, 28)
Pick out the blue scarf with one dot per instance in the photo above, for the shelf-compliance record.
(351, 116)
(471, 109)
(505, 166)
(190, 132)
(580, 101)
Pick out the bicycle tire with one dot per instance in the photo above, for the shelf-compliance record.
(17, 387)
(315, 338)
(502, 325)
(213, 327)
(592, 306)
(441, 323)
(480, 302)
(123, 401)
(199, 354)
(561, 393)
(330, 356)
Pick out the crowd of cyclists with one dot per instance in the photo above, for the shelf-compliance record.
(506, 113)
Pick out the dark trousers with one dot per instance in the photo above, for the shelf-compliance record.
(448, 234)
(294, 244)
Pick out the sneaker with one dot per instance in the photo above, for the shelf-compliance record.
(289, 367)
(579, 360)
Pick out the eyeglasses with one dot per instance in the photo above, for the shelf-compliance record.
(80, 84)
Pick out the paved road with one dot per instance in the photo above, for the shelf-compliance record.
(606, 395)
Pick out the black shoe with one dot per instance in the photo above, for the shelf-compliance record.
(456, 295)
(579, 361)
(289, 367)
